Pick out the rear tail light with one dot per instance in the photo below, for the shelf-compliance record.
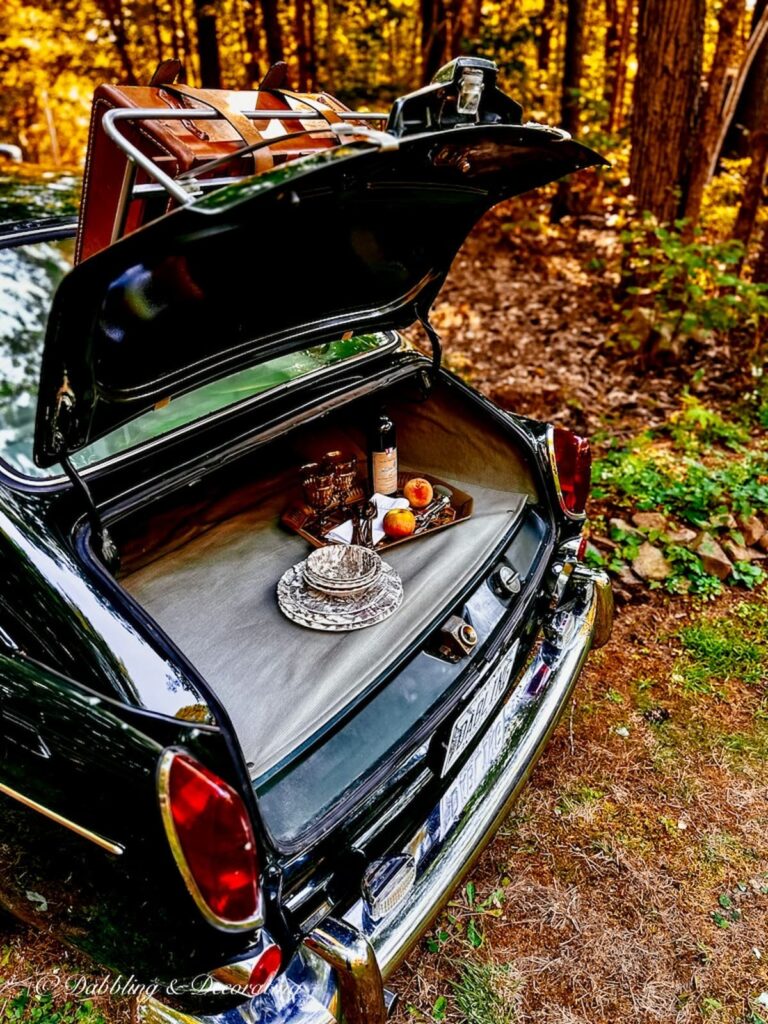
(265, 970)
(212, 842)
(572, 468)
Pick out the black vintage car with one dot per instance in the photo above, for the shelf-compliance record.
(256, 817)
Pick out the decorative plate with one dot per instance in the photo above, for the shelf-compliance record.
(310, 608)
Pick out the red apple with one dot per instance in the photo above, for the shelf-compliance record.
(399, 522)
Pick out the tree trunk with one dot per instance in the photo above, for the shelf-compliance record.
(174, 29)
(571, 93)
(670, 39)
(312, 44)
(434, 38)
(616, 105)
(113, 11)
(544, 47)
(753, 188)
(330, 43)
(760, 269)
(711, 108)
(456, 34)
(207, 44)
(186, 39)
(756, 40)
(251, 36)
(302, 49)
(611, 51)
(274, 36)
(746, 117)
(752, 197)
(158, 33)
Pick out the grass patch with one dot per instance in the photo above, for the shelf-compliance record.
(726, 649)
(486, 993)
(578, 797)
(34, 1008)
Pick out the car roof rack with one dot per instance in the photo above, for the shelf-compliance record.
(185, 188)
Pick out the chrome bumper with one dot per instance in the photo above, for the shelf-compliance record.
(345, 961)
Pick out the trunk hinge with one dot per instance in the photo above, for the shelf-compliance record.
(434, 341)
(102, 541)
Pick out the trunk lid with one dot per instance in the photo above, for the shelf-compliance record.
(352, 240)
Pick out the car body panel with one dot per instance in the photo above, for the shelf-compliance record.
(91, 689)
(85, 851)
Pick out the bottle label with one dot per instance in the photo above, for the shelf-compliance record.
(385, 471)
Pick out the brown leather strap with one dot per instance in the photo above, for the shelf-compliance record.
(238, 122)
(166, 72)
(324, 113)
(275, 78)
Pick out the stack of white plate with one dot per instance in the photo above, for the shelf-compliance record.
(342, 570)
(340, 588)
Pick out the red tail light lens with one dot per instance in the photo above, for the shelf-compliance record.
(212, 841)
(572, 464)
(265, 970)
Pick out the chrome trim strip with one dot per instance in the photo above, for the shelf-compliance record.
(79, 830)
(163, 776)
(577, 517)
(361, 987)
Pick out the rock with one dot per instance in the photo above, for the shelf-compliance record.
(751, 530)
(656, 715)
(724, 521)
(756, 555)
(650, 521)
(601, 542)
(650, 563)
(628, 579)
(736, 552)
(713, 558)
(621, 525)
(763, 542)
(682, 536)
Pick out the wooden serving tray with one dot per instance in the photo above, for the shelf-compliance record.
(300, 518)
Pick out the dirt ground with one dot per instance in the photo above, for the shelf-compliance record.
(631, 882)
(644, 821)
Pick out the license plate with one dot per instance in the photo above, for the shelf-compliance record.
(469, 722)
(489, 750)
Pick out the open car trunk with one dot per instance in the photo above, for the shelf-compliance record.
(205, 565)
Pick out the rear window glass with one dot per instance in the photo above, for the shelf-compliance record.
(28, 278)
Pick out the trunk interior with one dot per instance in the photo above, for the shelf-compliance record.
(205, 564)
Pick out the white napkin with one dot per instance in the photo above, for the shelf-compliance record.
(342, 533)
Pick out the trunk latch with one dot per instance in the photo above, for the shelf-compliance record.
(457, 639)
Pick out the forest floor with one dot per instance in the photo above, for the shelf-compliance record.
(631, 881)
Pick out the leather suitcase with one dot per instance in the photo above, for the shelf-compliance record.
(178, 146)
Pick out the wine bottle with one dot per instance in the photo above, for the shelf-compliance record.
(382, 456)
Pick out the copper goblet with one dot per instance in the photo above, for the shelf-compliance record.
(319, 484)
(346, 475)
